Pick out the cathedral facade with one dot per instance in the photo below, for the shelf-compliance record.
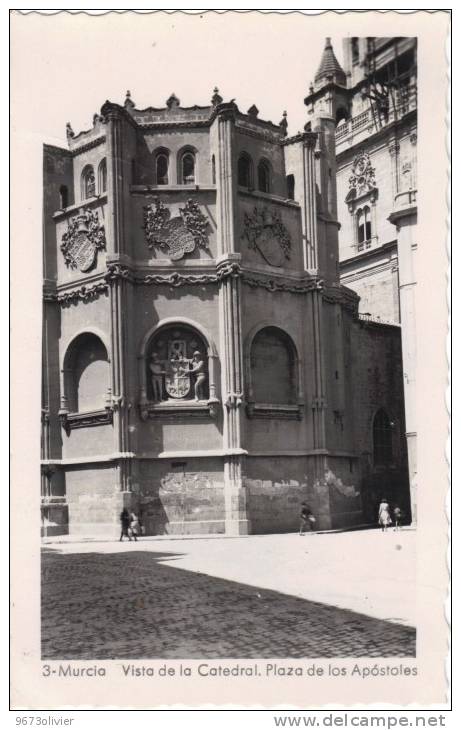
(203, 364)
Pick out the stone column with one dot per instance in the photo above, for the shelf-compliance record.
(119, 298)
(230, 326)
(308, 203)
(404, 218)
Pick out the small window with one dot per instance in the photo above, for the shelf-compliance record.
(264, 177)
(63, 197)
(245, 171)
(213, 170)
(364, 231)
(88, 183)
(355, 50)
(102, 177)
(382, 438)
(291, 187)
(161, 169)
(188, 168)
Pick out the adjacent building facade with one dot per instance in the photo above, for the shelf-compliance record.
(374, 102)
(203, 364)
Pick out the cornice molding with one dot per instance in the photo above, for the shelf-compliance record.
(88, 146)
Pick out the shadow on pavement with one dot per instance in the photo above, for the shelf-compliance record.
(130, 606)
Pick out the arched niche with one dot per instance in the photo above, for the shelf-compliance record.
(177, 370)
(273, 374)
(85, 385)
(383, 428)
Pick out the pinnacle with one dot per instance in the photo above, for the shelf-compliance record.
(329, 66)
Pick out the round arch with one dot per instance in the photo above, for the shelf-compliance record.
(166, 323)
(287, 334)
(180, 155)
(85, 373)
(90, 330)
(162, 167)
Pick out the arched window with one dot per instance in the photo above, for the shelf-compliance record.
(177, 365)
(341, 115)
(213, 170)
(363, 225)
(291, 187)
(382, 438)
(355, 50)
(161, 168)
(245, 171)
(102, 177)
(187, 168)
(264, 177)
(63, 197)
(88, 182)
(86, 374)
(273, 367)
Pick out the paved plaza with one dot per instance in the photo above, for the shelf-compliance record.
(322, 595)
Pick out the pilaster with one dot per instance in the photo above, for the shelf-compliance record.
(119, 296)
(404, 218)
(309, 203)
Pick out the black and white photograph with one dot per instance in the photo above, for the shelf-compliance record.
(230, 410)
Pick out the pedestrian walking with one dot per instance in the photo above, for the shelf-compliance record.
(384, 514)
(125, 523)
(307, 519)
(397, 517)
(134, 529)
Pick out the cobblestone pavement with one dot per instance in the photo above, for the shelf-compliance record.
(128, 605)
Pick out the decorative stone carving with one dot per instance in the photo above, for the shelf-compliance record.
(216, 99)
(173, 102)
(82, 294)
(83, 239)
(283, 124)
(362, 179)
(179, 235)
(266, 234)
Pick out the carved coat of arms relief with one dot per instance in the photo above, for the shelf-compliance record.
(266, 233)
(85, 236)
(175, 236)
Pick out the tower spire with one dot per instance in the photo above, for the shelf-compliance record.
(330, 68)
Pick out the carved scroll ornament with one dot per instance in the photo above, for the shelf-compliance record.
(85, 236)
(362, 179)
(175, 236)
(266, 234)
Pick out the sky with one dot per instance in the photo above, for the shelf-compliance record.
(66, 66)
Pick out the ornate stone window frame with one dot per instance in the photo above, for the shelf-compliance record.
(82, 419)
(363, 193)
(276, 411)
(158, 153)
(182, 153)
(102, 177)
(85, 192)
(265, 166)
(249, 184)
(191, 409)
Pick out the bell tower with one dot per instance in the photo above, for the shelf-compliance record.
(327, 104)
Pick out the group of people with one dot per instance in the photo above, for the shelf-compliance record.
(307, 519)
(385, 518)
(131, 526)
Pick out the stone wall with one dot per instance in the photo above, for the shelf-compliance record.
(183, 496)
(93, 500)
